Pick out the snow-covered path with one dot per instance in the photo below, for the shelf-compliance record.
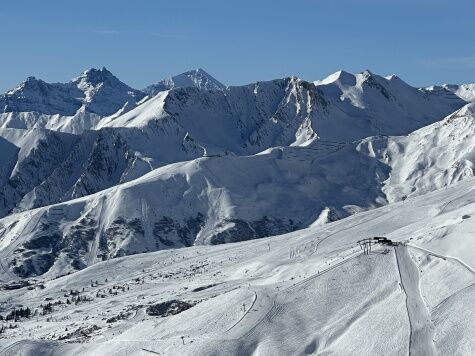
(421, 342)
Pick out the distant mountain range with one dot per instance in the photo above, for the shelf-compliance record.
(93, 169)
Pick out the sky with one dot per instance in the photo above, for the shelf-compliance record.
(424, 42)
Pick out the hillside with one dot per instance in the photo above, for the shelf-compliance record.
(231, 198)
(187, 123)
(313, 288)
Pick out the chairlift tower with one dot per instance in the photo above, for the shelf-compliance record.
(365, 244)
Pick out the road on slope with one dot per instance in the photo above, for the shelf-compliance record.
(421, 342)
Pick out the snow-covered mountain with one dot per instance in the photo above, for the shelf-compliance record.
(93, 171)
(464, 91)
(194, 78)
(45, 167)
(291, 111)
(187, 123)
(204, 201)
(331, 144)
(367, 104)
(72, 107)
(313, 288)
(233, 198)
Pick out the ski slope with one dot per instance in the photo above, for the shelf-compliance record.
(250, 179)
(312, 288)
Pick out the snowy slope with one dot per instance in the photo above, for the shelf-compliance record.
(199, 164)
(232, 198)
(187, 123)
(343, 107)
(194, 78)
(464, 91)
(310, 291)
(204, 201)
(432, 157)
(28, 159)
(365, 104)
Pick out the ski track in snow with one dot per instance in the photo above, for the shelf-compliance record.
(245, 313)
(444, 257)
(421, 342)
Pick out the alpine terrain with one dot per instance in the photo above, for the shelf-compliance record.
(195, 218)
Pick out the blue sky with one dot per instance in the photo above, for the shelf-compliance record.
(238, 42)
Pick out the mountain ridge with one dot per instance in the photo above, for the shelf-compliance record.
(214, 200)
(317, 139)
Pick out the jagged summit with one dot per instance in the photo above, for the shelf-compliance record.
(95, 76)
(367, 73)
(198, 78)
(369, 78)
(392, 77)
(97, 91)
(345, 78)
(30, 82)
(104, 94)
(35, 95)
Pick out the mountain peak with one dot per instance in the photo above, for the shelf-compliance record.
(341, 76)
(97, 70)
(29, 83)
(366, 75)
(98, 90)
(104, 93)
(198, 78)
(30, 80)
(95, 76)
(197, 71)
(396, 81)
(392, 77)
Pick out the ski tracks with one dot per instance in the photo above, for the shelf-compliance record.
(421, 338)
(245, 313)
(455, 259)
